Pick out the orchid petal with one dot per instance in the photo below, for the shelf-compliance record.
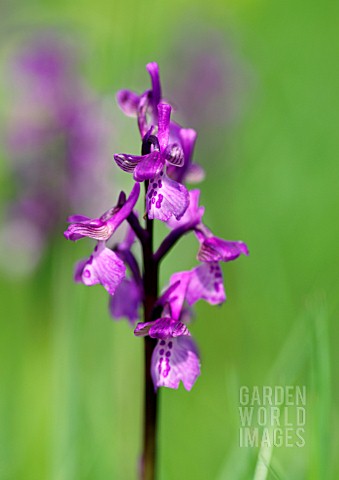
(192, 215)
(126, 300)
(194, 173)
(166, 197)
(153, 70)
(143, 108)
(174, 155)
(214, 249)
(164, 117)
(150, 166)
(162, 328)
(128, 101)
(104, 267)
(206, 283)
(175, 360)
(126, 162)
(103, 228)
(188, 138)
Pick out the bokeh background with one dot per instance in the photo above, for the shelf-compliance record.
(259, 81)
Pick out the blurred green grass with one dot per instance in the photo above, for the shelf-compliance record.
(71, 388)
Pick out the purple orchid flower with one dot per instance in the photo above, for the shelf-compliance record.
(165, 197)
(101, 228)
(175, 357)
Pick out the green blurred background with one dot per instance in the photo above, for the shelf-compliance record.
(71, 379)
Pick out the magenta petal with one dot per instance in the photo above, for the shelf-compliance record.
(100, 229)
(193, 213)
(194, 173)
(126, 301)
(104, 267)
(164, 117)
(178, 296)
(150, 166)
(79, 268)
(153, 70)
(188, 138)
(127, 163)
(162, 328)
(128, 101)
(77, 218)
(121, 214)
(175, 360)
(174, 155)
(206, 283)
(166, 197)
(143, 110)
(167, 328)
(214, 249)
(93, 228)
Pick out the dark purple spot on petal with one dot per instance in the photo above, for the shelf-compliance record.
(162, 342)
(160, 183)
(154, 185)
(153, 200)
(170, 345)
(150, 194)
(86, 273)
(216, 286)
(168, 353)
(161, 352)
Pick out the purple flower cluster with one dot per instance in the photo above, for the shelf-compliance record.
(56, 140)
(164, 166)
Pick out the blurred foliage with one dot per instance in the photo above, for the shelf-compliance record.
(71, 389)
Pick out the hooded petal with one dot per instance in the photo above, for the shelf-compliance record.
(103, 228)
(103, 267)
(175, 360)
(128, 101)
(162, 328)
(126, 301)
(166, 197)
(214, 249)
